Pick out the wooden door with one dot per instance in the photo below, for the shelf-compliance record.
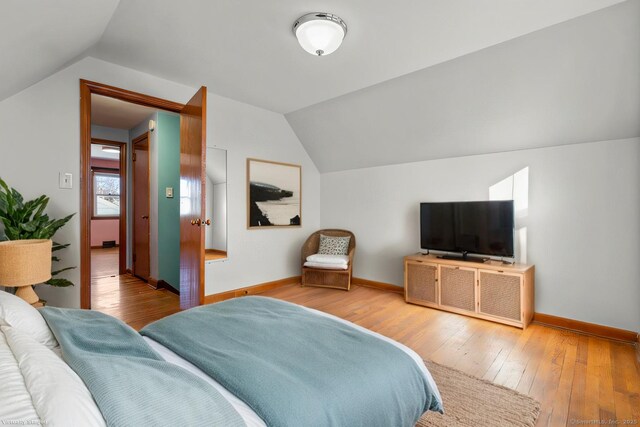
(141, 263)
(192, 209)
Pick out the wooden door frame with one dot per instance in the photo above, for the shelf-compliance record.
(87, 88)
(122, 222)
(144, 135)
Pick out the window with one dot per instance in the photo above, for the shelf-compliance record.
(106, 194)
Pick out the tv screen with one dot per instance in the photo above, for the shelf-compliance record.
(473, 227)
(436, 225)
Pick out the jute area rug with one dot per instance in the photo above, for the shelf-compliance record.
(474, 402)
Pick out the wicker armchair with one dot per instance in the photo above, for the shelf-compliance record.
(338, 279)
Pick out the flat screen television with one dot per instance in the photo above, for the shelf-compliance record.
(484, 228)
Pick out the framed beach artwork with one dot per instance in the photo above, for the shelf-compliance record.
(274, 194)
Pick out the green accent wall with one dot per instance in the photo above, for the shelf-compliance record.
(168, 134)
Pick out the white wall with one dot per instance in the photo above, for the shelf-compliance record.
(40, 136)
(258, 256)
(216, 199)
(215, 236)
(219, 217)
(209, 208)
(583, 220)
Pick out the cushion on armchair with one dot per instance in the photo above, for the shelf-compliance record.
(326, 266)
(333, 245)
(327, 262)
(328, 259)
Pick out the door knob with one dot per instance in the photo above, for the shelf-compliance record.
(206, 222)
(196, 222)
(145, 216)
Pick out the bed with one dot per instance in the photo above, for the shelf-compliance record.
(250, 361)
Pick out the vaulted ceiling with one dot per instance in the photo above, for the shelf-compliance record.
(578, 81)
(245, 50)
(38, 37)
(406, 77)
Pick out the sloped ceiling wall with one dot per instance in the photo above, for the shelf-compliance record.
(245, 50)
(38, 37)
(575, 82)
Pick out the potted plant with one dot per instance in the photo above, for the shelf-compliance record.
(27, 220)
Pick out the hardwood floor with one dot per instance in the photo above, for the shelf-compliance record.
(214, 254)
(132, 300)
(576, 378)
(104, 262)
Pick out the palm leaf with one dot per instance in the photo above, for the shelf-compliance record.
(58, 246)
(60, 283)
(56, 272)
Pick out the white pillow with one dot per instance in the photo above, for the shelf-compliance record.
(58, 394)
(18, 313)
(329, 259)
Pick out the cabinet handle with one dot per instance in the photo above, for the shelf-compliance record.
(500, 271)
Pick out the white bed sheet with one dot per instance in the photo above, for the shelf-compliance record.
(248, 415)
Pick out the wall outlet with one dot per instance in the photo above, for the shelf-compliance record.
(169, 192)
(65, 180)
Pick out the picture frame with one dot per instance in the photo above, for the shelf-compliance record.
(274, 194)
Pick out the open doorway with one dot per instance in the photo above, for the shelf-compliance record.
(137, 152)
(108, 208)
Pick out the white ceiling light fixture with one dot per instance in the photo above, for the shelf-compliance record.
(109, 149)
(320, 33)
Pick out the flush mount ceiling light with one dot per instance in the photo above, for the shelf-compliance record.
(320, 33)
(108, 149)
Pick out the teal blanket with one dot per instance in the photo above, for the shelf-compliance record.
(294, 367)
(131, 384)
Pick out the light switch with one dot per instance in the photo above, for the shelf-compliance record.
(66, 180)
(169, 192)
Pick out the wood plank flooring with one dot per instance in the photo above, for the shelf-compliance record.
(132, 300)
(214, 254)
(577, 378)
(104, 262)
